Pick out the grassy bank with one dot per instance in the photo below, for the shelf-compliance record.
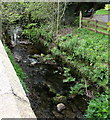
(84, 57)
(17, 68)
(90, 51)
(102, 12)
(86, 52)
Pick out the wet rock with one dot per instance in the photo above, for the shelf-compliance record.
(44, 72)
(57, 115)
(70, 114)
(24, 61)
(32, 61)
(61, 107)
(26, 42)
(60, 69)
(13, 44)
(60, 98)
(40, 86)
(79, 115)
(74, 108)
(18, 58)
(52, 89)
(36, 56)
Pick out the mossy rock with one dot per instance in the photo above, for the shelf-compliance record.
(52, 90)
(60, 98)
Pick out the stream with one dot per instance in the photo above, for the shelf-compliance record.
(45, 83)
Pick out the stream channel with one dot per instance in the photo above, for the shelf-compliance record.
(45, 86)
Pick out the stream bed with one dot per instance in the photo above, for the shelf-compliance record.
(47, 92)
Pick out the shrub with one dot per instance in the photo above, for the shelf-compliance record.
(98, 108)
(102, 12)
(34, 33)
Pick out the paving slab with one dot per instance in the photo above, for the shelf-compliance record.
(8, 107)
(4, 83)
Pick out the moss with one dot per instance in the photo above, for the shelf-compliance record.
(58, 95)
(52, 90)
(60, 98)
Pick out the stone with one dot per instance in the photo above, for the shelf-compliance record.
(57, 115)
(18, 58)
(52, 89)
(74, 108)
(70, 114)
(13, 44)
(32, 61)
(26, 42)
(60, 98)
(79, 115)
(24, 61)
(61, 107)
(36, 56)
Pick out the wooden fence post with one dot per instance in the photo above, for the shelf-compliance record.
(88, 22)
(96, 26)
(80, 19)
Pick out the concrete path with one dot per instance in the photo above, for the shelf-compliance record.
(13, 100)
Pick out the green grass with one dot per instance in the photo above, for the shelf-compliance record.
(86, 43)
(17, 68)
(102, 12)
(88, 52)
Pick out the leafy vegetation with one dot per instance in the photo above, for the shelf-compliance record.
(88, 54)
(83, 54)
(98, 108)
(102, 12)
(34, 33)
(17, 68)
(107, 6)
(93, 53)
(68, 75)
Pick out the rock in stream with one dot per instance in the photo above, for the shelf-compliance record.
(61, 107)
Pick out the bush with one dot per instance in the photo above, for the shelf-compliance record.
(98, 108)
(102, 12)
(34, 33)
(88, 51)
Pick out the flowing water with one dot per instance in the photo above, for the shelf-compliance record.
(45, 83)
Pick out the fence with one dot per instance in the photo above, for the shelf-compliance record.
(94, 25)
